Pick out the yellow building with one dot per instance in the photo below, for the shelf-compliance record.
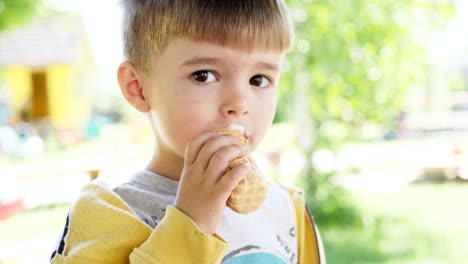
(48, 70)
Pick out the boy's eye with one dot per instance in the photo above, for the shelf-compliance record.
(204, 76)
(260, 81)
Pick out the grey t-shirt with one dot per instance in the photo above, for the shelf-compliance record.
(266, 236)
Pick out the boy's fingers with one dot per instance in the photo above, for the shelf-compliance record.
(231, 179)
(220, 160)
(192, 149)
(212, 146)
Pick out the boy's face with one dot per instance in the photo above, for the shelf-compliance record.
(197, 87)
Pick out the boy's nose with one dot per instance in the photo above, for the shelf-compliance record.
(235, 104)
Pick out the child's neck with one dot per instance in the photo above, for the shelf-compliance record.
(166, 166)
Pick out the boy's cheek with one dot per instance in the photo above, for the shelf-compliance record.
(188, 127)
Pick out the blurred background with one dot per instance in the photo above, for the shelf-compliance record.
(372, 122)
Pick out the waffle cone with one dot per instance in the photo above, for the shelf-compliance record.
(251, 192)
(235, 133)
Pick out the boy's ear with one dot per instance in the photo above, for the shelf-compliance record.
(131, 87)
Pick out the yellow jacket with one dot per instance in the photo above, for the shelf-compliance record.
(102, 228)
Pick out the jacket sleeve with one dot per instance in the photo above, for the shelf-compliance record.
(101, 228)
(310, 245)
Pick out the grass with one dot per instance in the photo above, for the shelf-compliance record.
(33, 223)
(419, 224)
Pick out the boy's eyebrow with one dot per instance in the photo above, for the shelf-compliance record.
(200, 60)
(208, 60)
(267, 66)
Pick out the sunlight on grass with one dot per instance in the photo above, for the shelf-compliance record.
(419, 224)
(34, 223)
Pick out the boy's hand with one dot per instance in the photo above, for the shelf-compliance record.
(203, 189)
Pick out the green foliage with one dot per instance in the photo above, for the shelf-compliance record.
(353, 62)
(15, 12)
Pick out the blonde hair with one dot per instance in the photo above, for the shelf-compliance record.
(150, 24)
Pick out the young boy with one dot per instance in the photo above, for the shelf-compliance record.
(195, 66)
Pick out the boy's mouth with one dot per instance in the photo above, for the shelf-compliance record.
(239, 128)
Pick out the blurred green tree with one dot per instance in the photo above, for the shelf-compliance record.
(15, 12)
(352, 63)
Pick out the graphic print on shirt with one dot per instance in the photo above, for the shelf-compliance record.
(286, 248)
(251, 254)
(257, 255)
(152, 220)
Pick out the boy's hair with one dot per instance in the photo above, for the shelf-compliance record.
(150, 24)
